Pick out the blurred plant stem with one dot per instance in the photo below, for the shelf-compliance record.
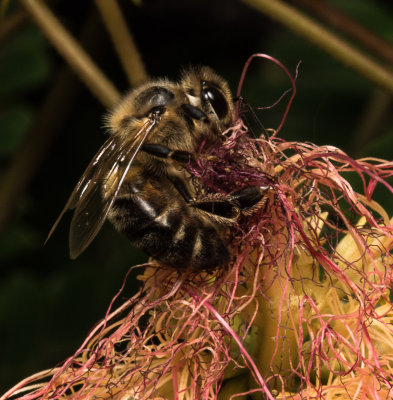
(347, 25)
(326, 40)
(123, 41)
(11, 23)
(48, 123)
(72, 52)
(380, 101)
(370, 122)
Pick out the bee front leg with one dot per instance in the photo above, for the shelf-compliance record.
(182, 156)
(158, 150)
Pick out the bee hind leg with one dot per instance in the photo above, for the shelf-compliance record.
(232, 206)
(228, 207)
(249, 196)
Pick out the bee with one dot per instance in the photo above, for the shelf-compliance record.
(138, 178)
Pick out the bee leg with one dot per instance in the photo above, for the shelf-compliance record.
(181, 188)
(248, 196)
(194, 112)
(220, 207)
(227, 207)
(158, 150)
(230, 207)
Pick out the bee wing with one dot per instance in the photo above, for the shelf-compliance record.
(86, 181)
(91, 208)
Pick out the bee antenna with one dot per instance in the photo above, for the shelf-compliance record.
(245, 108)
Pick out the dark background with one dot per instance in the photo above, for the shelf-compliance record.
(48, 302)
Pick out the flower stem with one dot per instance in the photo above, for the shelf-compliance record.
(325, 39)
(72, 52)
(123, 41)
(236, 338)
(350, 27)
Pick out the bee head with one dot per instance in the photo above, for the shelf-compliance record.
(209, 92)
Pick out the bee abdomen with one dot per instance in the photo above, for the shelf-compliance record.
(173, 234)
(187, 243)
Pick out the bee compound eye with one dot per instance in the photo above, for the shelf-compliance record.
(217, 100)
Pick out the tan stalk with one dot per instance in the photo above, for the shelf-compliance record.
(48, 123)
(12, 23)
(73, 53)
(123, 41)
(332, 44)
(350, 27)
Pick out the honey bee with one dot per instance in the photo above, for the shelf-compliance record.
(138, 178)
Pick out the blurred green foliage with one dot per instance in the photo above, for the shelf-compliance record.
(48, 302)
(25, 63)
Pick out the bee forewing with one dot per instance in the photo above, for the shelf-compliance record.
(92, 206)
(84, 184)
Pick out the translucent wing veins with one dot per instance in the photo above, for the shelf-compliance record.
(110, 166)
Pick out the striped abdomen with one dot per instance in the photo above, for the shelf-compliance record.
(158, 221)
